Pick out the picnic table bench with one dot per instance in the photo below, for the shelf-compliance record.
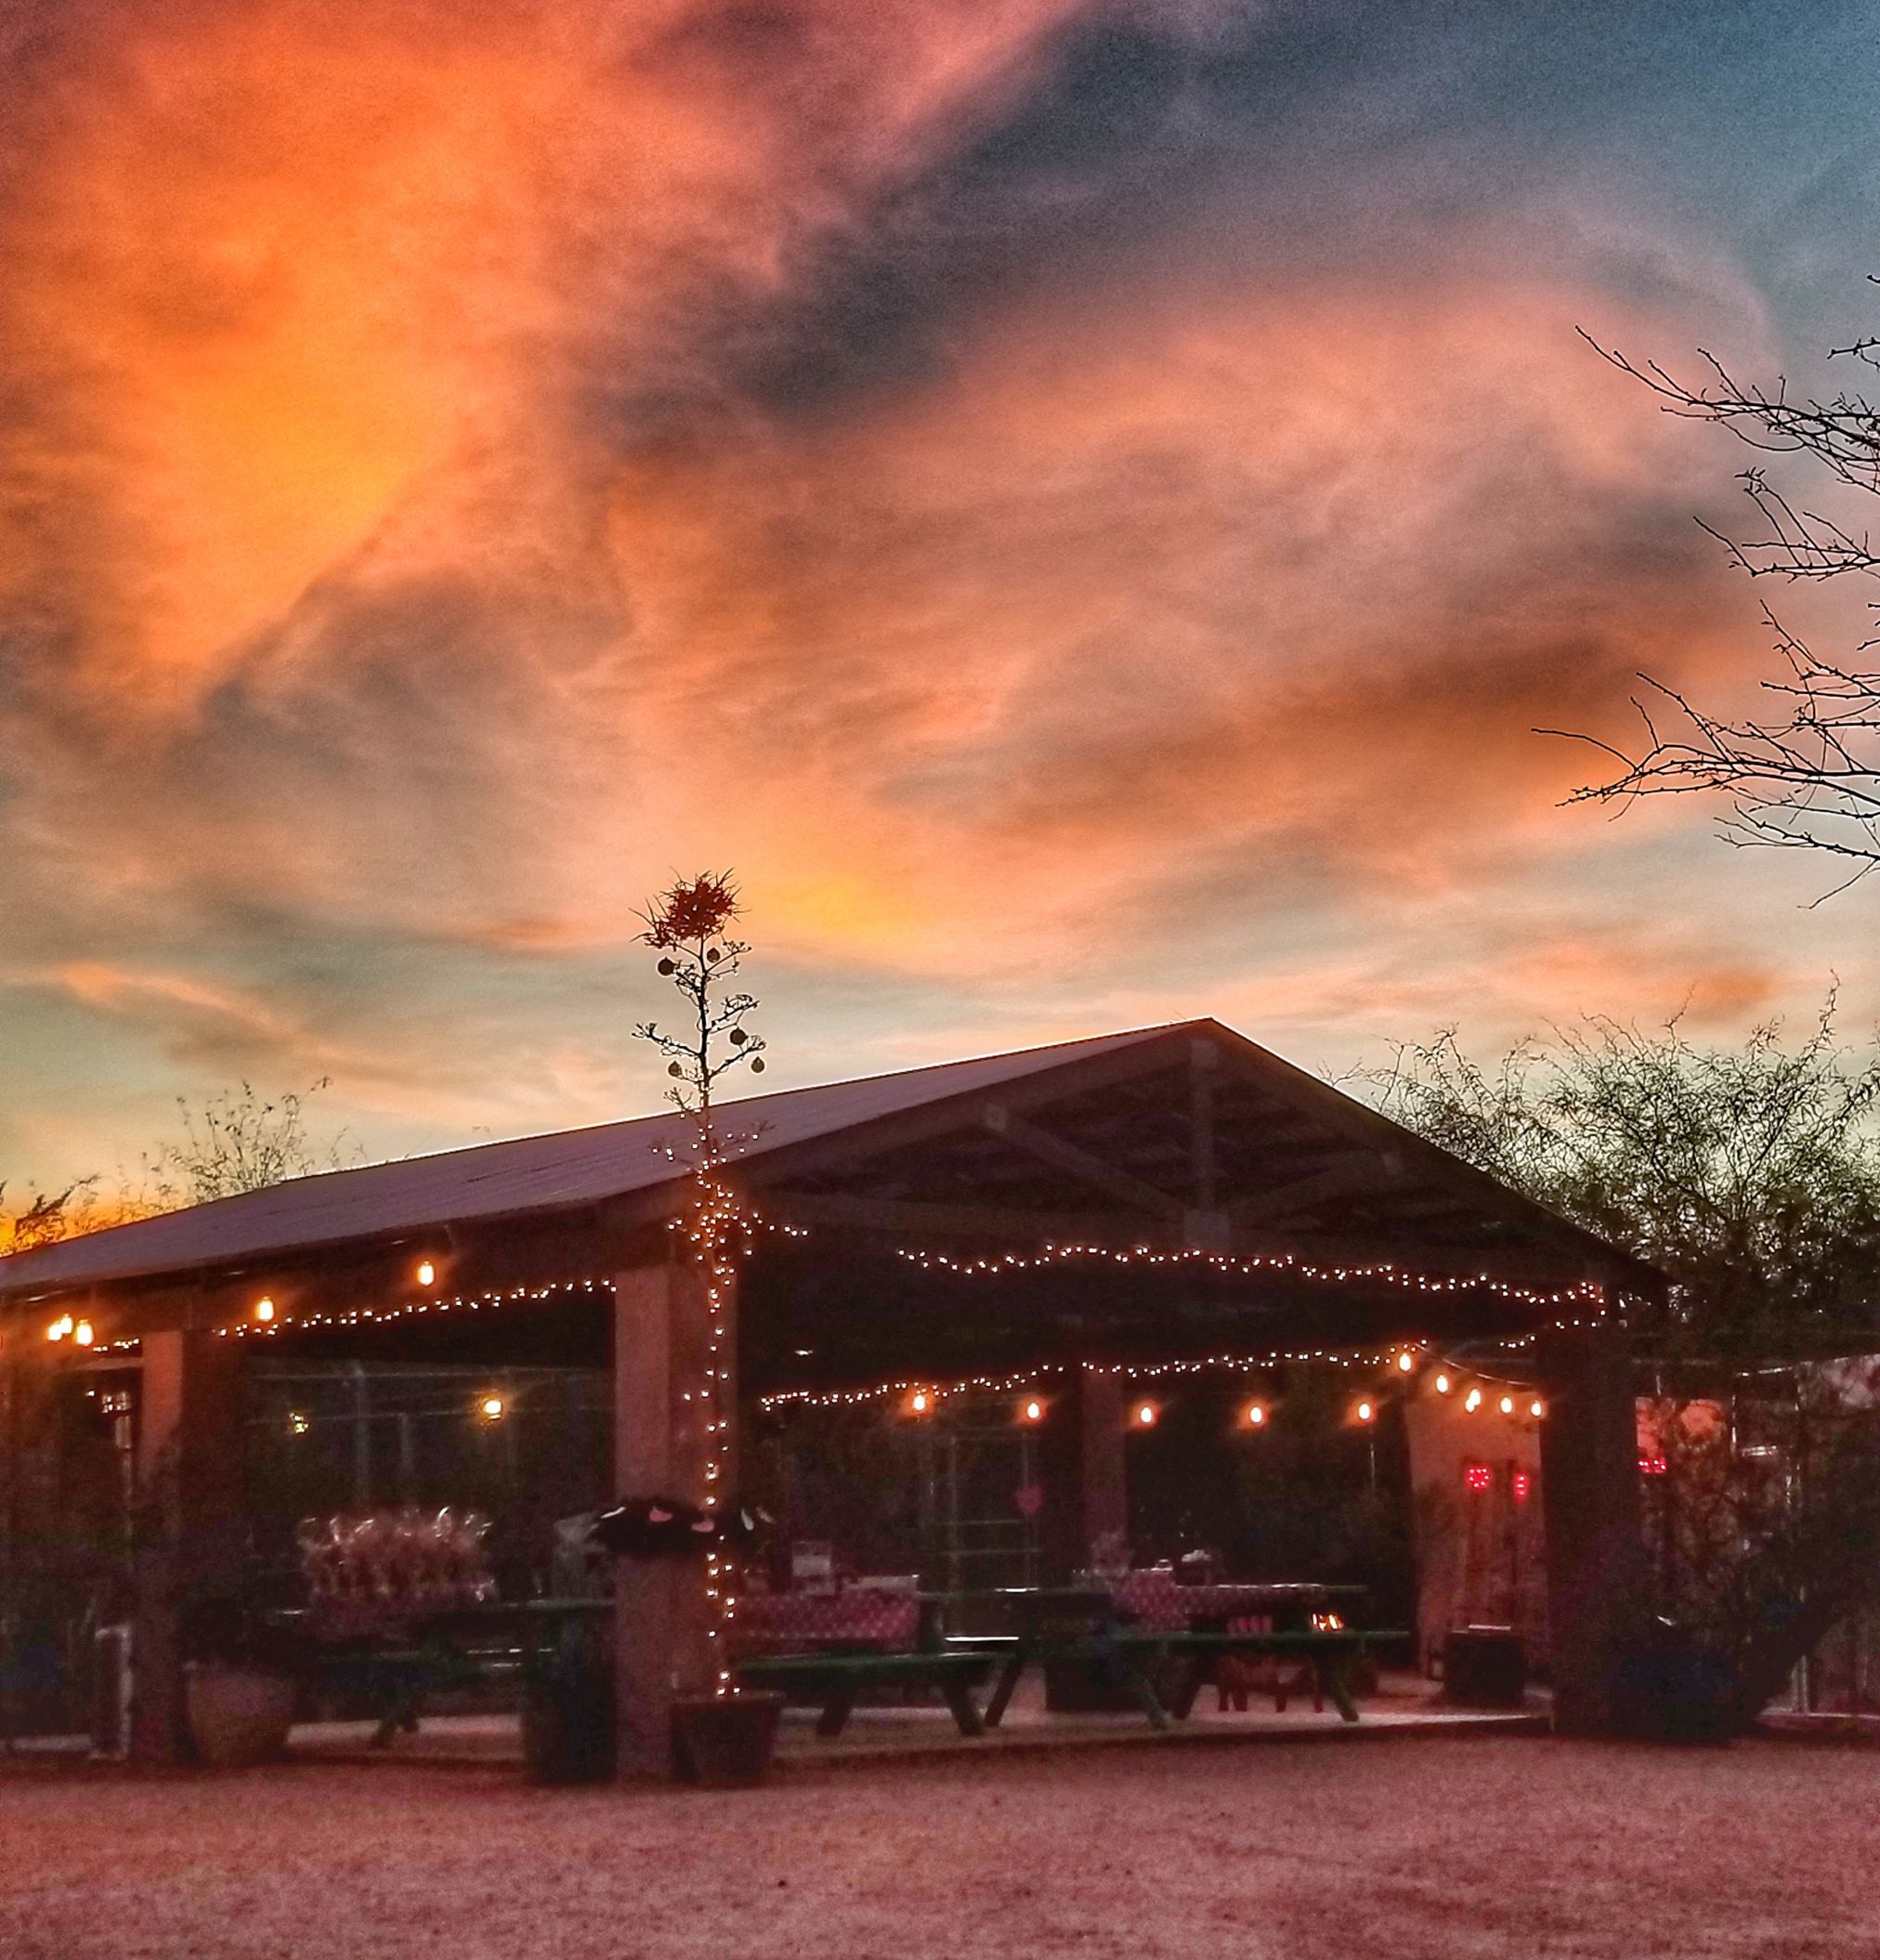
(836, 1679)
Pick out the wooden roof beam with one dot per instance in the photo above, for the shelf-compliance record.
(1359, 1172)
(1203, 1172)
(1077, 1162)
(1368, 1129)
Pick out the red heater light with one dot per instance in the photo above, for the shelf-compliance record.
(1477, 1476)
(1522, 1485)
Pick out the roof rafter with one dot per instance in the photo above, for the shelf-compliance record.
(1360, 1171)
(1077, 1162)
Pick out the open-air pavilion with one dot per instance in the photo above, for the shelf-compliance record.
(1086, 1221)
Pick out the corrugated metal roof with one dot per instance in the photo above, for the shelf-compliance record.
(564, 1170)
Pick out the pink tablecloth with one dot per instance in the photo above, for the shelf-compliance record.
(799, 1622)
(1163, 1605)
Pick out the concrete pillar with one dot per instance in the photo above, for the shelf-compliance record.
(663, 1619)
(1597, 1571)
(190, 1474)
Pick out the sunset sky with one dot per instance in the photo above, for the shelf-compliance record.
(1082, 506)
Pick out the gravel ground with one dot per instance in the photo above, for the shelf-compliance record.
(1400, 1849)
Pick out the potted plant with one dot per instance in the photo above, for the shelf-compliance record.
(725, 1741)
(239, 1684)
(1673, 1688)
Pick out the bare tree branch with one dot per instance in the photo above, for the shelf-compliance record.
(1807, 777)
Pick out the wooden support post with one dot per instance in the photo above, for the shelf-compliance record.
(1589, 1488)
(1105, 1476)
(662, 1619)
(1086, 1494)
(190, 1489)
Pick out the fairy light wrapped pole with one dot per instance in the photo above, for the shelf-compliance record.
(689, 926)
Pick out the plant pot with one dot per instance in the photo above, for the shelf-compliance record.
(724, 1742)
(1678, 1694)
(238, 1715)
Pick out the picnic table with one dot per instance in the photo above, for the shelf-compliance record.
(1078, 1623)
(831, 1648)
(1133, 1631)
(398, 1654)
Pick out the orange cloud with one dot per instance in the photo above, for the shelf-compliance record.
(306, 288)
(1239, 571)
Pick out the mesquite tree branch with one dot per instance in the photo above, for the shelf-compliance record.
(1807, 775)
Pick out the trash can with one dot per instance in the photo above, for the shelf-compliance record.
(1485, 1667)
(568, 1706)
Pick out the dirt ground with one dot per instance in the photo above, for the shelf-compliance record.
(1395, 1849)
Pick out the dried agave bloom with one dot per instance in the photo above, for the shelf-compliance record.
(691, 910)
(686, 925)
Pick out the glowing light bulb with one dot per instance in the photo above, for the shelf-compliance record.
(1536, 1410)
(1443, 1384)
(492, 1408)
(917, 1402)
(1508, 1405)
(263, 1310)
(1145, 1415)
(82, 1334)
(427, 1273)
(1365, 1412)
(1034, 1410)
(1472, 1400)
(1406, 1362)
(1255, 1415)
(298, 1422)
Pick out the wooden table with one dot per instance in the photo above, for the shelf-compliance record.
(1082, 1624)
(1106, 1628)
(394, 1653)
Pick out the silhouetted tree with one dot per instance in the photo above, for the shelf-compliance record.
(1750, 1175)
(1807, 775)
(45, 1217)
(237, 1140)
